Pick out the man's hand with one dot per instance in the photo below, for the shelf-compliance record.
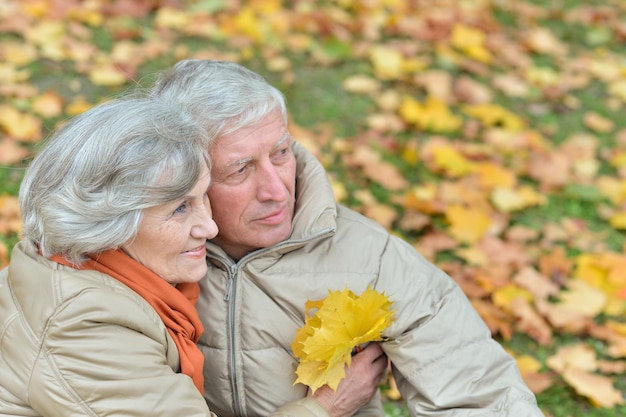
(363, 377)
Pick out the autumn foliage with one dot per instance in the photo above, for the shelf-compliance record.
(494, 140)
(335, 327)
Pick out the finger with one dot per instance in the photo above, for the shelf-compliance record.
(372, 351)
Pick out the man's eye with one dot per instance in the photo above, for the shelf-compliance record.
(238, 172)
(281, 153)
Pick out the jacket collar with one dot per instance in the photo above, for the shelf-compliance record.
(315, 211)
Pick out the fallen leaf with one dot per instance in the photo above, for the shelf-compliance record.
(384, 173)
(433, 115)
(539, 285)
(496, 320)
(108, 75)
(530, 322)
(530, 369)
(470, 91)
(598, 389)
(388, 63)
(361, 84)
(471, 41)
(598, 123)
(10, 220)
(49, 104)
(21, 126)
(543, 41)
(11, 152)
(493, 115)
(468, 225)
(582, 298)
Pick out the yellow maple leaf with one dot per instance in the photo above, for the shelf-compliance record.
(422, 198)
(508, 200)
(504, 297)
(432, 115)
(388, 63)
(10, 74)
(470, 41)
(107, 75)
(527, 364)
(613, 188)
(598, 389)
(493, 115)
(618, 220)
(618, 89)
(605, 272)
(342, 321)
(87, 15)
(452, 162)
(492, 175)
(79, 105)
(20, 54)
(168, 17)
(467, 224)
(24, 127)
(582, 298)
(248, 23)
(48, 36)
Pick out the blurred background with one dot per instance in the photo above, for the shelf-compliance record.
(489, 134)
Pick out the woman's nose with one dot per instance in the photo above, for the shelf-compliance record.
(206, 227)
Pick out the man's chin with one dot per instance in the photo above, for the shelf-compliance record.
(273, 236)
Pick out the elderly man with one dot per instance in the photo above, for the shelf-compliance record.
(284, 240)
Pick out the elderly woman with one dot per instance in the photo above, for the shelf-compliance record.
(97, 311)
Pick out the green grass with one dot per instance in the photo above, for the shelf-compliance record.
(317, 96)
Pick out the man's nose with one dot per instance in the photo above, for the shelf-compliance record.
(270, 185)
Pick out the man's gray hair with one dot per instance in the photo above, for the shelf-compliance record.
(224, 96)
(86, 190)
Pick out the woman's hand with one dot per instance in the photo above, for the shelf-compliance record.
(361, 382)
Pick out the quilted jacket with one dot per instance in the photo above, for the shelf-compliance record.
(80, 343)
(444, 358)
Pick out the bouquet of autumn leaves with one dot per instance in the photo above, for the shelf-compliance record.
(341, 324)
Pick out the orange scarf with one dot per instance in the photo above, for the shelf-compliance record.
(175, 305)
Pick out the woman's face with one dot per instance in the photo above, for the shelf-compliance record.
(172, 236)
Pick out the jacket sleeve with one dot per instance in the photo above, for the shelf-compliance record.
(106, 353)
(310, 407)
(443, 356)
(304, 407)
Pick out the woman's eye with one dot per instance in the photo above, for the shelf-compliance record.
(181, 209)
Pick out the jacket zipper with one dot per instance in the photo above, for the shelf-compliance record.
(229, 297)
(231, 288)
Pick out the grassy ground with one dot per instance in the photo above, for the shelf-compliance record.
(313, 86)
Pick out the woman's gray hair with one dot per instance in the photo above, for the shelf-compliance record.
(224, 96)
(86, 190)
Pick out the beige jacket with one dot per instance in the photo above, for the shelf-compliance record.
(444, 359)
(80, 343)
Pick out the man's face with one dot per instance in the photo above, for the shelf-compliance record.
(252, 192)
